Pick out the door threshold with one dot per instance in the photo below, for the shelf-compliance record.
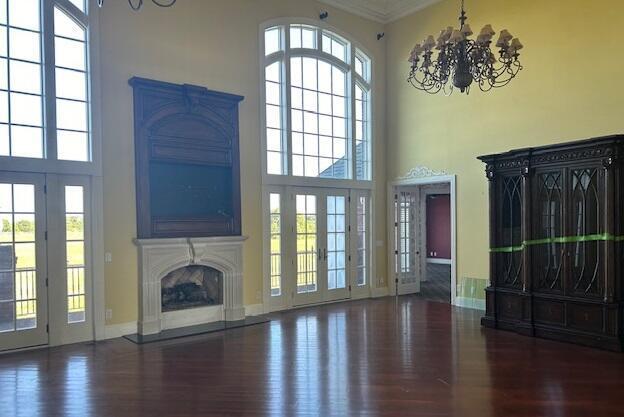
(24, 349)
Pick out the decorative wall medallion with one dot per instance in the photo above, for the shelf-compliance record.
(422, 172)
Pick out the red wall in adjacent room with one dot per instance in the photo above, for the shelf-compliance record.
(439, 226)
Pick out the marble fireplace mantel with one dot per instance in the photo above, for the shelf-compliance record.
(158, 257)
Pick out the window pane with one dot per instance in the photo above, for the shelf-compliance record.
(26, 109)
(74, 199)
(4, 49)
(295, 37)
(67, 27)
(273, 72)
(272, 41)
(71, 84)
(24, 14)
(75, 248)
(5, 148)
(75, 253)
(24, 45)
(24, 198)
(70, 54)
(274, 163)
(27, 142)
(71, 115)
(338, 50)
(72, 146)
(4, 107)
(4, 74)
(75, 226)
(308, 38)
(25, 77)
(275, 243)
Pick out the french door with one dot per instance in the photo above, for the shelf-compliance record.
(45, 282)
(23, 290)
(320, 245)
(407, 264)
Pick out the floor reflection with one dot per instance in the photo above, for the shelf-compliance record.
(20, 390)
(77, 385)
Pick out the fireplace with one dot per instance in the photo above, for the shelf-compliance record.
(190, 287)
(188, 205)
(185, 282)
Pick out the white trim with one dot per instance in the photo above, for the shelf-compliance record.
(417, 177)
(373, 10)
(113, 331)
(467, 302)
(254, 309)
(439, 261)
(97, 256)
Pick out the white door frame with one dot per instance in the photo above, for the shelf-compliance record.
(417, 182)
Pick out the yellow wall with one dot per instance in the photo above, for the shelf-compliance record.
(570, 89)
(213, 44)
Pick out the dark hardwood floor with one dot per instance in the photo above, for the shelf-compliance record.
(364, 358)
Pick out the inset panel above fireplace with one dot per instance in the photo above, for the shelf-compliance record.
(187, 161)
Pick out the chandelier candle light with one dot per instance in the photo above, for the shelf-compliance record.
(462, 60)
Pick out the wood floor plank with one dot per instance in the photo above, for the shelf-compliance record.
(364, 358)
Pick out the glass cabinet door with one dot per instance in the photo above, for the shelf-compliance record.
(548, 224)
(585, 226)
(509, 232)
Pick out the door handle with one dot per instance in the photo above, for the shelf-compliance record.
(325, 254)
(319, 254)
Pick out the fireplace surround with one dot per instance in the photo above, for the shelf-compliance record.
(160, 257)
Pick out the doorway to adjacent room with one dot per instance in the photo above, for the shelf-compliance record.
(423, 236)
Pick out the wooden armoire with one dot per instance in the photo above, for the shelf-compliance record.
(556, 242)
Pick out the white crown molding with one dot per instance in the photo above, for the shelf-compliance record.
(381, 11)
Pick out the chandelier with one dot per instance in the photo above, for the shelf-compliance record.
(136, 5)
(463, 61)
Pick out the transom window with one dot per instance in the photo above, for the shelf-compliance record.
(317, 112)
(44, 85)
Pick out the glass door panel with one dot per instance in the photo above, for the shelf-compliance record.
(69, 267)
(406, 249)
(335, 253)
(307, 249)
(321, 241)
(23, 296)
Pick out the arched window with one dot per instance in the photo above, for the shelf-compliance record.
(44, 85)
(317, 104)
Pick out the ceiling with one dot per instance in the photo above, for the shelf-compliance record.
(383, 11)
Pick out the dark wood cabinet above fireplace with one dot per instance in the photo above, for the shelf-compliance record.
(187, 161)
(556, 233)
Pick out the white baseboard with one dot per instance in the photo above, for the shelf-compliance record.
(379, 292)
(112, 331)
(467, 302)
(254, 309)
(438, 261)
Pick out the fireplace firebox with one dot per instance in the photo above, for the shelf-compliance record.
(190, 287)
